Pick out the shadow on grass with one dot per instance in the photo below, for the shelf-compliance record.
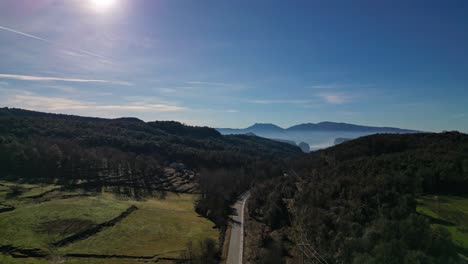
(463, 251)
(438, 220)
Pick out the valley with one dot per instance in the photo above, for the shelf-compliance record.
(78, 189)
(317, 136)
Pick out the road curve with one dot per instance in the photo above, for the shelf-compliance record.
(236, 242)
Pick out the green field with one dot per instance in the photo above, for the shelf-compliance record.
(450, 209)
(166, 225)
(28, 190)
(160, 227)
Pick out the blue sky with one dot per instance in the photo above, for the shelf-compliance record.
(233, 63)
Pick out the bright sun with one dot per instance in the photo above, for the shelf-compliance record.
(102, 5)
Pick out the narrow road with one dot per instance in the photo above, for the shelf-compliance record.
(236, 242)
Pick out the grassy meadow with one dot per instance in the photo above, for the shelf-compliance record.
(160, 228)
(453, 213)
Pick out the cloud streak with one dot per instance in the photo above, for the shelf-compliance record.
(92, 54)
(33, 101)
(293, 101)
(319, 99)
(459, 116)
(335, 98)
(327, 86)
(49, 79)
(209, 83)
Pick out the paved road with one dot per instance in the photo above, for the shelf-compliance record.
(236, 242)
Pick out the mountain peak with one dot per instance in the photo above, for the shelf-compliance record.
(265, 126)
(128, 119)
(340, 126)
(330, 122)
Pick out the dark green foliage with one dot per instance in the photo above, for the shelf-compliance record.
(31, 140)
(355, 202)
(272, 253)
(268, 201)
(16, 190)
(206, 252)
(178, 129)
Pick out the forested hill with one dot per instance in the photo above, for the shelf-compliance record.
(128, 153)
(165, 141)
(439, 161)
(356, 202)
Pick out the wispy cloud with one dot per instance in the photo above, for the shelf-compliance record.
(460, 116)
(210, 83)
(335, 98)
(167, 90)
(62, 88)
(148, 99)
(92, 54)
(49, 79)
(3, 83)
(66, 89)
(269, 101)
(339, 85)
(174, 90)
(327, 86)
(214, 110)
(75, 91)
(29, 100)
(73, 54)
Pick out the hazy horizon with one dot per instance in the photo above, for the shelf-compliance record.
(232, 64)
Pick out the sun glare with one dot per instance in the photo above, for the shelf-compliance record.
(102, 5)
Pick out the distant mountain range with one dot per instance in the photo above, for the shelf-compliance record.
(319, 135)
(318, 127)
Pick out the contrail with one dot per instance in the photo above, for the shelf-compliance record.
(54, 43)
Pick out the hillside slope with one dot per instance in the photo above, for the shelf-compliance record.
(165, 141)
(356, 202)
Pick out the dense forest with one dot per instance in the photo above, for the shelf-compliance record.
(356, 202)
(353, 203)
(95, 152)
